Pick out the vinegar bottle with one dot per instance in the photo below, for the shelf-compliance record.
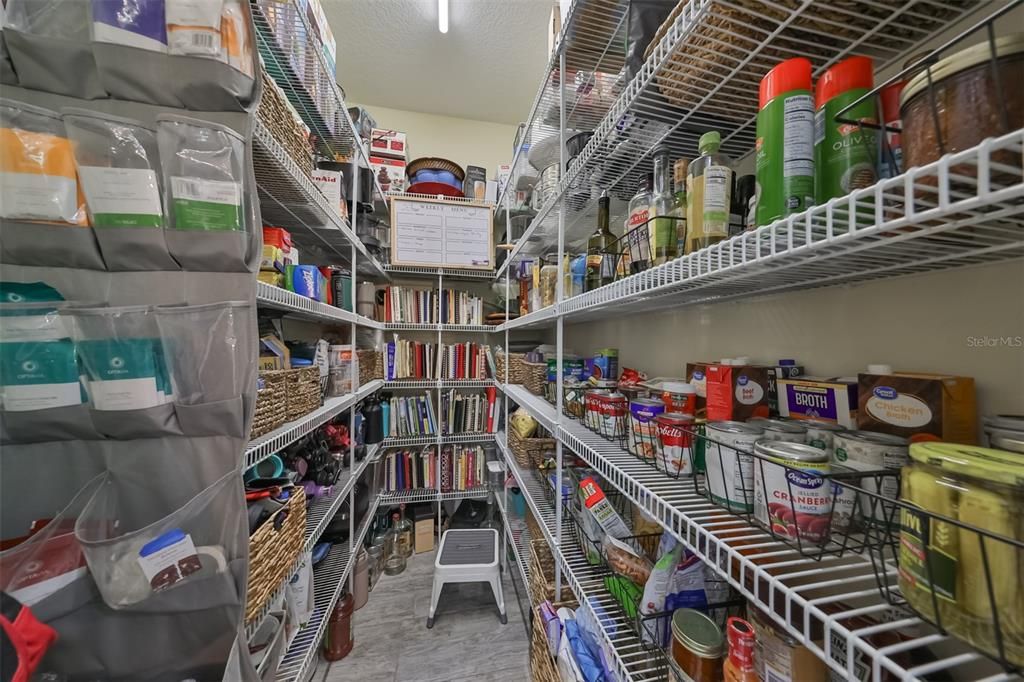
(739, 664)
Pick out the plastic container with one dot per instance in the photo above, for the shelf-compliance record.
(361, 580)
(974, 577)
(338, 639)
(844, 153)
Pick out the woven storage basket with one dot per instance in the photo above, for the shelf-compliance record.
(275, 113)
(534, 376)
(542, 665)
(532, 525)
(370, 366)
(271, 404)
(542, 571)
(530, 453)
(515, 368)
(303, 391)
(272, 552)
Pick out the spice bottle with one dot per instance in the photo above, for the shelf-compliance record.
(709, 194)
(844, 153)
(785, 141)
(739, 664)
(679, 186)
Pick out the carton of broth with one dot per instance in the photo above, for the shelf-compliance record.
(910, 404)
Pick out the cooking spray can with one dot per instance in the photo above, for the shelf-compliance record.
(844, 153)
(785, 141)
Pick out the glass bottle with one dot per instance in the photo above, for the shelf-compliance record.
(394, 560)
(638, 247)
(549, 279)
(600, 246)
(663, 209)
(739, 665)
(708, 194)
(405, 533)
(679, 185)
(380, 529)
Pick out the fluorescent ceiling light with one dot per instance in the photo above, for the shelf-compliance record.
(442, 16)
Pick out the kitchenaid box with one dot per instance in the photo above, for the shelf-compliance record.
(736, 392)
(907, 404)
(832, 399)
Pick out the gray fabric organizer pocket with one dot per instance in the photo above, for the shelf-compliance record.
(208, 250)
(64, 67)
(49, 245)
(72, 422)
(134, 248)
(221, 418)
(136, 75)
(207, 84)
(7, 74)
(151, 422)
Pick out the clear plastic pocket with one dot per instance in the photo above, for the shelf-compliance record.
(204, 175)
(119, 170)
(135, 560)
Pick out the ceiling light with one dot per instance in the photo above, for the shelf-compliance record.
(442, 16)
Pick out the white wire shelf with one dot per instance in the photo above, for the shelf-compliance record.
(446, 273)
(433, 327)
(430, 495)
(328, 580)
(289, 199)
(586, 582)
(709, 64)
(964, 209)
(822, 603)
(283, 436)
(397, 384)
(269, 296)
(516, 533)
(432, 439)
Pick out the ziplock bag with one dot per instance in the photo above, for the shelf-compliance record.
(133, 559)
(119, 170)
(203, 175)
(48, 41)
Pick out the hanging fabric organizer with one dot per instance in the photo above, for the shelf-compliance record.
(129, 243)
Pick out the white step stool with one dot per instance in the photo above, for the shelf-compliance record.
(467, 555)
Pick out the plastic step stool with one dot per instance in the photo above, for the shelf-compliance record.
(468, 555)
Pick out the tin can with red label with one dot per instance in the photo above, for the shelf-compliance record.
(592, 409)
(612, 415)
(675, 438)
(679, 397)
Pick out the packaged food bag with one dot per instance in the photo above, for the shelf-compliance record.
(235, 37)
(193, 27)
(37, 167)
(133, 23)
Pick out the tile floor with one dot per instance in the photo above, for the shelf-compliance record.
(467, 642)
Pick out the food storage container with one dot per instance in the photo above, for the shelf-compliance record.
(697, 645)
(962, 576)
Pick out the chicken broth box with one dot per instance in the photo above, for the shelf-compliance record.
(907, 404)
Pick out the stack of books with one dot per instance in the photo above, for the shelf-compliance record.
(411, 416)
(462, 468)
(469, 412)
(414, 360)
(428, 306)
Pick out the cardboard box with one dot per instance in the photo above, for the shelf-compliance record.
(390, 173)
(282, 239)
(697, 374)
(908, 404)
(736, 392)
(474, 186)
(423, 527)
(306, 280)
(491, 195)
(332, 185)
(774, 374)
(274, 354)
(272, 259)
(384, 142)
(832, 399)
(504, 176)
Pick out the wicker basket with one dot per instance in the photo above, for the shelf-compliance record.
(542, 665)
(530, 453)
(276, 114)
(542, 571)
(534, 376)
(271, 404)
(515, 368)
(533, 526)
(302, 386)
(272, 552)
(370, 366)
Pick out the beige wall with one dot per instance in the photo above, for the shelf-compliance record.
(931, 323)
(462, 140)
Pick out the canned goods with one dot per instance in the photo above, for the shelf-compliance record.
(611, 410)
(867, 451)
(820, 433)
(679, 397)
(730, 466)
(1005, 432)
(792, 496)
(592, 409)
(675, 435)
(776, 429)
(643, 430)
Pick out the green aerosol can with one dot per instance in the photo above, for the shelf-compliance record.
(785, 141)
(845, 152)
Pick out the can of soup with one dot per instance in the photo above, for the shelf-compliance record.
(612, 415)
(867, 451)
(729, 464)
(675, 438)
(820, 433)
(777, 429)
(792, 496)
(643, 431)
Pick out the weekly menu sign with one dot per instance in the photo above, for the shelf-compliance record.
(436, 233)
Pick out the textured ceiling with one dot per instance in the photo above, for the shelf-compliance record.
(487, 67)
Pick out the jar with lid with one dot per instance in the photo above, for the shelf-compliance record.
(394, 558)
(974, 569)
(697, 645)
(549, 280)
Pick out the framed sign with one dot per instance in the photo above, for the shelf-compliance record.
(444, 234)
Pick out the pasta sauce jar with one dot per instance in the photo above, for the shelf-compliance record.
(697, 645)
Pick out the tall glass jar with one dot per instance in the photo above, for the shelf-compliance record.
(405, 533)
(394, 559)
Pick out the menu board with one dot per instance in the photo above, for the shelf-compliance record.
(437, 233)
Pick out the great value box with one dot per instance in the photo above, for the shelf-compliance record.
(908, 404)
(384, 142)
(736, 392)
(831, 399)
